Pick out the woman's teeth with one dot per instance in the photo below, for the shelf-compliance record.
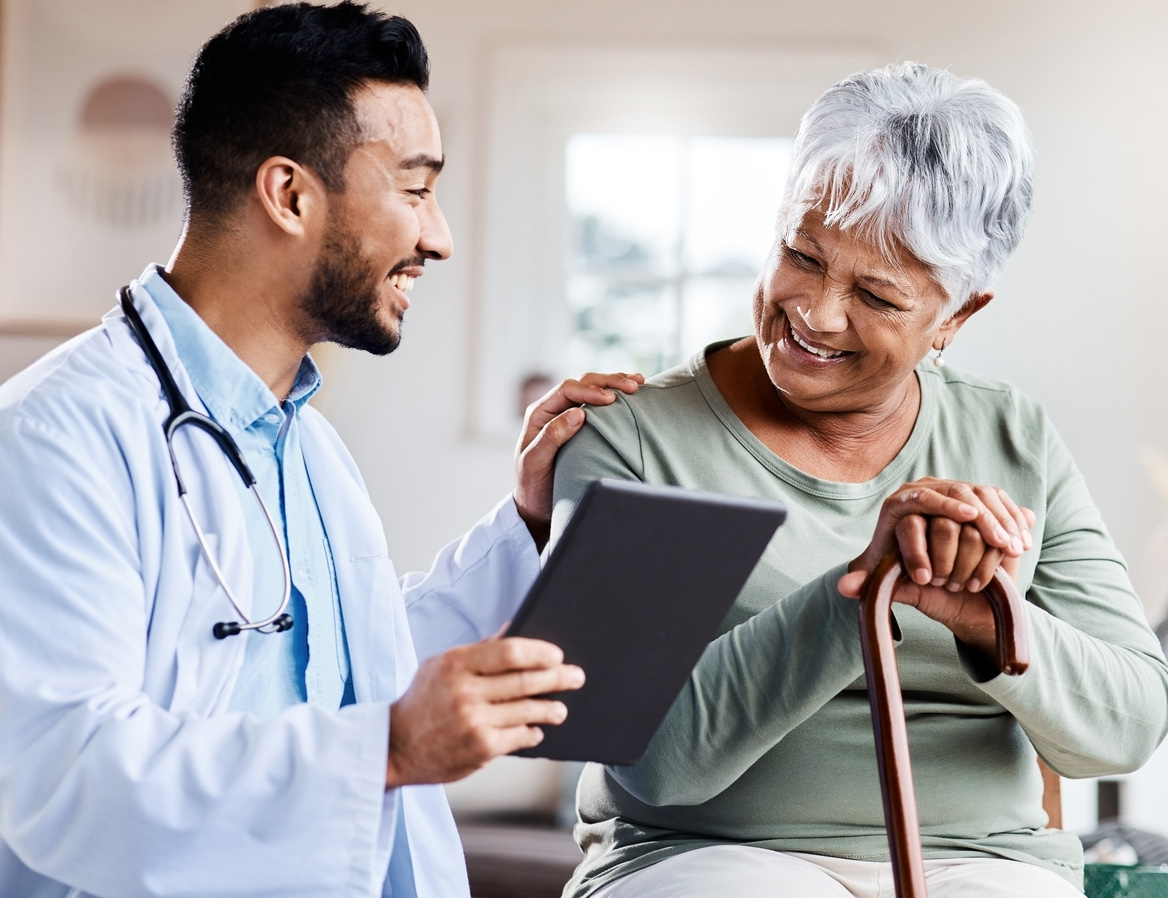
(822, 353)
(403, 282)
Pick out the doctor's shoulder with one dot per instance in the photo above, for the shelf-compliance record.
(84, 391)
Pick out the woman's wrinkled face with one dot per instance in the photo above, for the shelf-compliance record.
(839, 328)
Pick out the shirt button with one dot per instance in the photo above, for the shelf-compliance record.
(272, 418)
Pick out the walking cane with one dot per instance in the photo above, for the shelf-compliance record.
(896, 785)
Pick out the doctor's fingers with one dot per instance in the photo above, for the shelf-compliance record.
(507, 687)
(591, 389)
(522, 713)
(496, 656)
(537, 454)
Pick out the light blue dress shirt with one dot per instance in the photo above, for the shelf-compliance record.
(310, 662)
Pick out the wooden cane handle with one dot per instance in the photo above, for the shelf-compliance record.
(892, 754)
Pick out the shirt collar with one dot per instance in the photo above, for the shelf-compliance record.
(235, 396)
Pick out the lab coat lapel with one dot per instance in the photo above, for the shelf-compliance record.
(381, 651)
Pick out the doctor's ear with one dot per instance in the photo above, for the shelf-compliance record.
(291, 195)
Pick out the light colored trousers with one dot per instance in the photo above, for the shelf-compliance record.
(741, 871)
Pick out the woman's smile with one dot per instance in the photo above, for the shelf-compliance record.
(808, 351)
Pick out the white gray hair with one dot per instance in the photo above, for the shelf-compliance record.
(915, 158)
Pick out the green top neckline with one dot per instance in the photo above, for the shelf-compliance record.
(892, 474)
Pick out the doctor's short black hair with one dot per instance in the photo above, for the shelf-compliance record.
(279, 81)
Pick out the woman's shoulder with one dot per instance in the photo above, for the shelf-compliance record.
(987, 414)
(664, 397)
(970, 391)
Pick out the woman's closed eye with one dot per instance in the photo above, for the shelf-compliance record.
(809, 263)
(873, 300)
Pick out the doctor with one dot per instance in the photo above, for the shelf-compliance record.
(144, 750)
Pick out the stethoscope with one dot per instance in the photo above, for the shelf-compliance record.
(182, 414)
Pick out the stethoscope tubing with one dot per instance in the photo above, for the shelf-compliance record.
(181, 414)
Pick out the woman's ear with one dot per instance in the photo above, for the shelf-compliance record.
(291, 195)
(953, 324)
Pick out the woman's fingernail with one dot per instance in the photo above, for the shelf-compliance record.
(953, 587)
(938, 581)
(921, 576)
(973, 585)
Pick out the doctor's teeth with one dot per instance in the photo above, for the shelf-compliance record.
(402, 282)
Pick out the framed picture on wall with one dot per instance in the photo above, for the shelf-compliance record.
(88, 190)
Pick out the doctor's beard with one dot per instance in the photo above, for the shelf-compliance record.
(342, 300)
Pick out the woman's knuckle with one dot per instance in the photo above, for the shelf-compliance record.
(943, 527)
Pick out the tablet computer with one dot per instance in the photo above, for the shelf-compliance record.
(633, 592)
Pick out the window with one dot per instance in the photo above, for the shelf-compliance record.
(667, 236)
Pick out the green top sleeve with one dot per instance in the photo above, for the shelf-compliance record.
(1093, 701)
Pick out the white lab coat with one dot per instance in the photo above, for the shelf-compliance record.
(121, 774)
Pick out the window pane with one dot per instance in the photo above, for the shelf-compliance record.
(734, 187)
(624, 202)
(668, 237)
(620, 325)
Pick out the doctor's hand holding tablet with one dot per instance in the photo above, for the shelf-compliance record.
(477, 701)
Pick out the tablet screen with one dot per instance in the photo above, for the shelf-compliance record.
(633, 592)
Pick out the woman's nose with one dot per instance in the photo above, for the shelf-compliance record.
(824, 312)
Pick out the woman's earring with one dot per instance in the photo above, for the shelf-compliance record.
(939, 358)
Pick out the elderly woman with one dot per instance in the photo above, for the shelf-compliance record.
(909, 190)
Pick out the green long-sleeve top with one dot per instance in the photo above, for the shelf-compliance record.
(770, 742)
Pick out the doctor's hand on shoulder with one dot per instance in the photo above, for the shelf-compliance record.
(474, 703)
(548, 424)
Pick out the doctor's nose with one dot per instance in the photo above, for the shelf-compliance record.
(434, 239)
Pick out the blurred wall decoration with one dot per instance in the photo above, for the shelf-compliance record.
(119, 171)
(88, 191)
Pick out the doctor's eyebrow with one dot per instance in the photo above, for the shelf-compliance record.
(424, 160)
